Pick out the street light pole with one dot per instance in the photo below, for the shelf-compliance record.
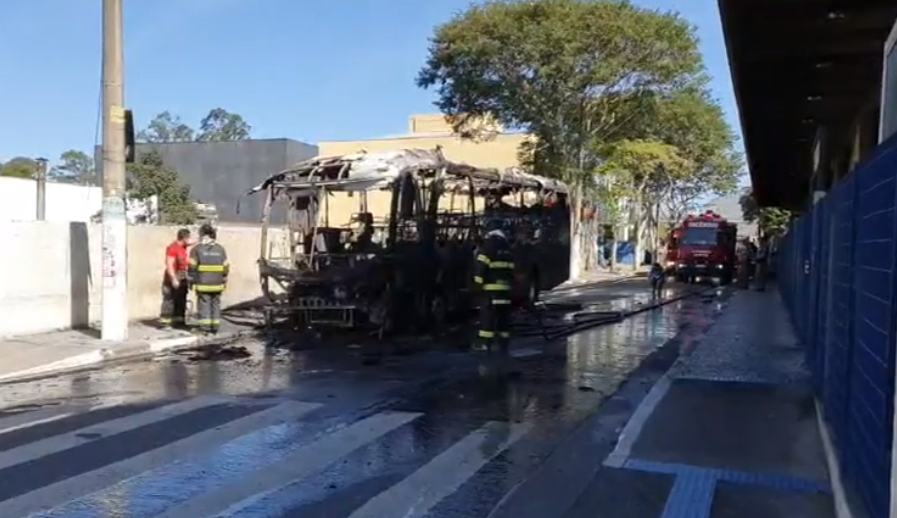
(115, 231)
(41, 184)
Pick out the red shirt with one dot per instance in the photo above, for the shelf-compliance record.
(179, 253)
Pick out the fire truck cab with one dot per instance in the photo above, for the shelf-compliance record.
(702, 247)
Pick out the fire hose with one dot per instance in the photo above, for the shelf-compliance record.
(587, 319)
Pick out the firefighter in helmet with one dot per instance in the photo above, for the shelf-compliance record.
(208, 270)
(493, 277)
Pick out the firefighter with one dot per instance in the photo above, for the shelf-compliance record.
(174, 282)
(493, 276)
(208, 275)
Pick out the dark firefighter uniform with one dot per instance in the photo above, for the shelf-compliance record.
(174, 300)
(208, 274)
(493, 275)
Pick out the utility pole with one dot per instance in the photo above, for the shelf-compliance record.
(115, 231)
(41, 179)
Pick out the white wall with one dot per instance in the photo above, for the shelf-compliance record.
(65, 202)
(52, 272)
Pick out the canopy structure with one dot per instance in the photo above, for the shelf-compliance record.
(798, 65)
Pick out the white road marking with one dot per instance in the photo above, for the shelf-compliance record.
(34, 417)
(414, 496)
(56, 444)
(297, 465)
(61, 492)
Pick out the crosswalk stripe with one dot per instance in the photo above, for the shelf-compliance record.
(35, 417)
(300, 464)
(53, 495)
(414, 496)
(51, 445)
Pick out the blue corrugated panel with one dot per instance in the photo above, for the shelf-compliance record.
(866, 450)
(821, 283)
(841, 309)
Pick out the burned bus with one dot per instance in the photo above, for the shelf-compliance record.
(402, 258)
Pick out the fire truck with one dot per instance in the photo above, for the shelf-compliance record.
(702, 247)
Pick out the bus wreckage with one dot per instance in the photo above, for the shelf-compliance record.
(408, 268)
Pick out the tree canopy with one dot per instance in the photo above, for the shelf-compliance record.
(74, 167)
(772, 221)
(608, 90)
(219, 125)
(222, 126)
(569, 72)
(165, 128)
(19, 167)
(149, 176)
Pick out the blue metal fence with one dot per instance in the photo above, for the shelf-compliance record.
(838, 278)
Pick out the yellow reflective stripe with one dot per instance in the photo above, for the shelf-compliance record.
(477, 279)
(484, 259)
(204, 322)
(211, 268)
(501, 265)
(486, 334)
(497, 287)
(209, 288)
(165, 320)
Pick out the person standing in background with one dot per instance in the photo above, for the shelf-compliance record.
(174, 282)
(762, 259)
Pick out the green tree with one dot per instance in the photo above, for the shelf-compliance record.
(19, 167)
(221, 125)
(771, 221)
(575, 74)
(692, 121)
(149, 176)
(74, 167)
(166, 128)
(645, 173)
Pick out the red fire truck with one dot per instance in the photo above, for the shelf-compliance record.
(702, 247)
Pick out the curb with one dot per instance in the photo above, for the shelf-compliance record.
(118, 354)
(631, 431)
(839, 494)
(575, 283)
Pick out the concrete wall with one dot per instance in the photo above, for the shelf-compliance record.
(220, 172)
(54, 272)
(65, 202)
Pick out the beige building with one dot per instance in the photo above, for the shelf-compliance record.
(424, 132)
(429, 131)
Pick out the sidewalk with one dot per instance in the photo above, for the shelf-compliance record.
(602, 275)
(48, 353)
(731, 431)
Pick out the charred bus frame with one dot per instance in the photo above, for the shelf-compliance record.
(418, 272)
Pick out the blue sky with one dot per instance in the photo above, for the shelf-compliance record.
(327, 70)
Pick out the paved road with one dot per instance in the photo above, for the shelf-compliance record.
(322, 434)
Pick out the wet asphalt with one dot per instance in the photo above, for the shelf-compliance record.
(324, 432)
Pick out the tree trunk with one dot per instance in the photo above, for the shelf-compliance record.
(614, 247)
(576, 234)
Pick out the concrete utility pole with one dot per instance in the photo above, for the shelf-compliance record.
(41, 178)
(115, 231)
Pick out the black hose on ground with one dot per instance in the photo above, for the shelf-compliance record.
(576, 327)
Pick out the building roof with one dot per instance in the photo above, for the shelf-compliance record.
(796, 65)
